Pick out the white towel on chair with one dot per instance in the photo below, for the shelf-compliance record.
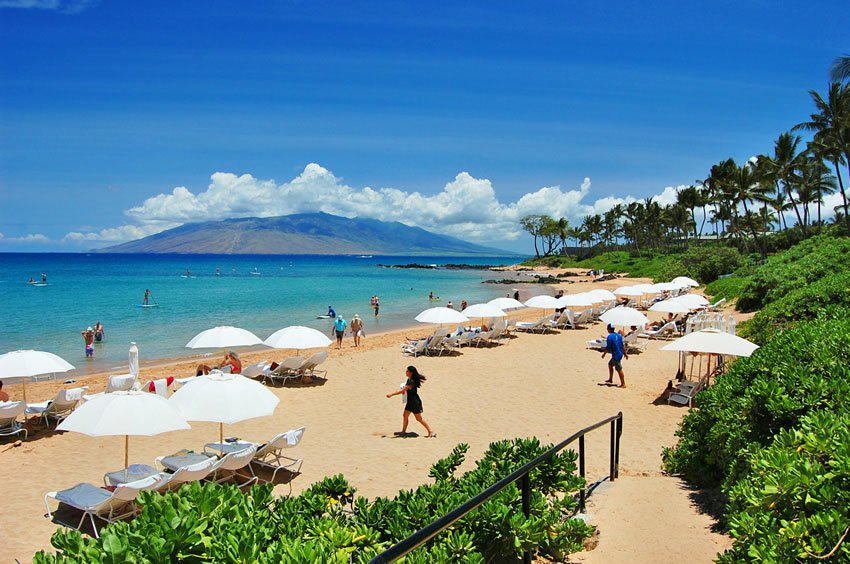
(74, 394)
(161, 387)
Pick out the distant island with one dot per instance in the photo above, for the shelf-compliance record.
(303, 234)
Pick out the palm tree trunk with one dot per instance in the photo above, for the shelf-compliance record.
(800, 221)
(843, 193)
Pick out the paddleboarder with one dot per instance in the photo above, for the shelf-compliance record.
(147, 295)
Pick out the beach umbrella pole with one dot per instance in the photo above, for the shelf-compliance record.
(126, 452)
(221, 436)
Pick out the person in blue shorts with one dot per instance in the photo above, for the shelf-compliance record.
(614, 345)
(88, 337)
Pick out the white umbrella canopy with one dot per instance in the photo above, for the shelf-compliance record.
(223, 337)
(543, 302)
(628, 291)
(686, 281)
(124, 413)
(441, 315)
(506, 303)
(297, 337)
(622, 316)
(223, 398)
(28, 363)
(604, 295)
(666, 287)
(670, 306)
(693, 299)
(647, 288)
(484, 310)
(712, 341)
(576, 300)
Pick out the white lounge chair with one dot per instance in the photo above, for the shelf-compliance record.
(255, 370)
(667, 330)
(59, 407)
(160, 387)
(716, 305)
(434, 347)
(631, 342)
(106, 505)
(415, 348)
(9, 413)
(286, 370)
(270, 455)
(685, 392)
(191, 473)
(583, 318)
(309, 367)
(230, 464)
(539, 326)
(565, 321)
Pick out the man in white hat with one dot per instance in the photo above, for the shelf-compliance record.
(88, 337)
(356, 329)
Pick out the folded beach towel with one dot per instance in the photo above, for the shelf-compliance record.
(160, 387)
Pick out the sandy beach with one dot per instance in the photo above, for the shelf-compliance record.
(535, 385)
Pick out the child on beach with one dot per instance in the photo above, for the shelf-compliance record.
(414, 403)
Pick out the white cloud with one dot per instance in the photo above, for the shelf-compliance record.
(31, 238)
(466, 207)
(66, 6)
(119, 234)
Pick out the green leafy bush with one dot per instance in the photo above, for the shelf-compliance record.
(703, 263)
(327, 523)
(794, 503)
(828, 297)
(803, 264)
(729, 287)
(798, 372)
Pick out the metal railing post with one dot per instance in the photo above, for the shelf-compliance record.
(581, 472)
(617, 454)
(613, 445)
(526, 509)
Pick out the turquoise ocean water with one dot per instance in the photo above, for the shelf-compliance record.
(290, 290)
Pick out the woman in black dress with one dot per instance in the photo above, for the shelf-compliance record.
(414, 403)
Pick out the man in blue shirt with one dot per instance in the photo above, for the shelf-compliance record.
(331, 312)
(614, 345)
(339, 330)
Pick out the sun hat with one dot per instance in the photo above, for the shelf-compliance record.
(89, 328)
(356, 316)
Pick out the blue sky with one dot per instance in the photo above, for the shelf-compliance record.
(457, 117)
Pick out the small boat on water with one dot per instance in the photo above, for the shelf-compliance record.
(255, 272)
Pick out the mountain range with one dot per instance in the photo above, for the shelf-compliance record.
(308, 233)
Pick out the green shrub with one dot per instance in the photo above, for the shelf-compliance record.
(799, 371)
(794, 504)
(704, 263)
(729, 287)
(326, 523)
(828, 297)
(803, 264)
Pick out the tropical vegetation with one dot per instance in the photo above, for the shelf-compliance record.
(327, 523)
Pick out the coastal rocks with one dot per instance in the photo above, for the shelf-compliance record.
(443, 266)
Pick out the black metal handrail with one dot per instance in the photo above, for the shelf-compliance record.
(428, 532)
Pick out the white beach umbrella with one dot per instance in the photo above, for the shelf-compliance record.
(686, 281)
(543, 302)
(666, 287)
(670, 306)
(506, 303)
(575, 300)
(712, 341)
(133, 359)
(441, 315)
(124, 413)
(223, 398)
(297, 337)
(29, 363)
(622, 316)
(604, 295)
(647, 288)
(223, 337)
(628, 291)
(693, 299)
(484, 310)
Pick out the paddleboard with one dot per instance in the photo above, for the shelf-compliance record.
(323, 317)
(255, 273)
(40, 284)
(147, 305)
(184, 276)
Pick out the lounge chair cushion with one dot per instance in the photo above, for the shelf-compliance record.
(84, 496)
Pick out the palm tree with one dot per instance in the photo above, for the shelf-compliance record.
(691, 199)
(782, 166)
(832, 131)
(816, 182)
(840, 70)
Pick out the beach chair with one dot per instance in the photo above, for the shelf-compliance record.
(583, 318)
(434, 346)
(597, 344)
(271, 458)
(632, 344)
(565, 321)
(286, 370)
(59, 407)
(539, 326)
(255, 370)
(109, 506)
(450, 343)
(9, 424)
(717, 305)
(230, 464)
(416, 348)
(666, 331)
(120, 382)
(191, 473)
(159, 387)
(309, 368)
(465, 339)
(685, 392)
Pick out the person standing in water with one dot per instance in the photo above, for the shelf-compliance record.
(88, 337)
(376, 304)
(414, 403)
(98, 331)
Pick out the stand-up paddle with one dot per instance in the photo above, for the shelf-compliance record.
(145, 303)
